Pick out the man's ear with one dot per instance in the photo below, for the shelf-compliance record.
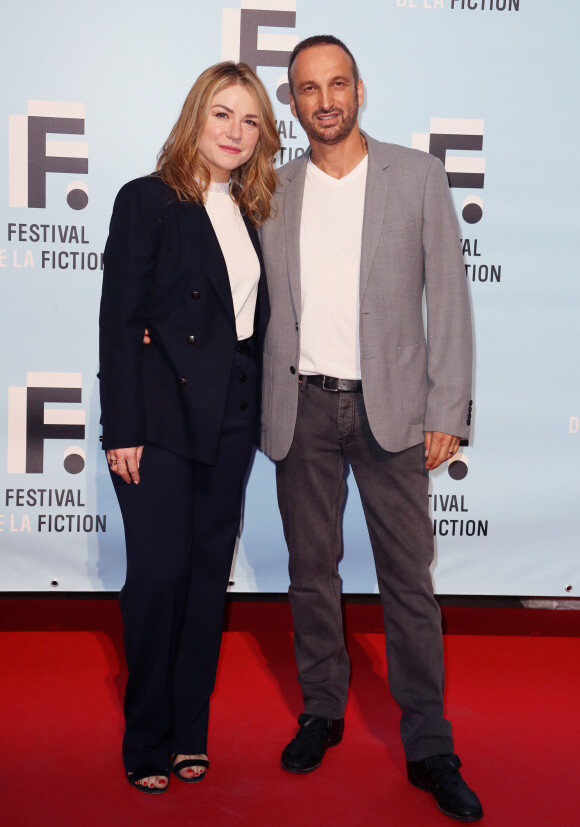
(360, 91)
(293, 105)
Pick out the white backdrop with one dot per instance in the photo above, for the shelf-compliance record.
(91, 90)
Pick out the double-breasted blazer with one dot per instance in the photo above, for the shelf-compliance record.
(164, 270)
(413, 379)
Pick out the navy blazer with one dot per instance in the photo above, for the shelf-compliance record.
(164, 270)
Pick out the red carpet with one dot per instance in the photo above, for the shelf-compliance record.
(512, 695)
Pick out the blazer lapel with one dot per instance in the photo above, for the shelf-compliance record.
(374, 209)
(293, 193)
(200, 233)
(253, 233)
(262, 314)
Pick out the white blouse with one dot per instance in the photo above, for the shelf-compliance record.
(238, 251)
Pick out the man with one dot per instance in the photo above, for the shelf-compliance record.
(362, 230)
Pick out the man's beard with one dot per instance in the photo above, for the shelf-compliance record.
(333, 134)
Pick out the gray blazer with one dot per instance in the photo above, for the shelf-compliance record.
(413, 379)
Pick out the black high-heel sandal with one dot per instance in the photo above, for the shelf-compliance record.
(189, 762)
(134, 777)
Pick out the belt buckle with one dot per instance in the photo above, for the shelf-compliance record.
(324, 388)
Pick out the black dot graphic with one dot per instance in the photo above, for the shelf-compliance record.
(472, 213)
(74, 463)
(77, 199)
(283, 93)
(457, 470)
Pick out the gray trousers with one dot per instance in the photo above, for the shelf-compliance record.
(331, 428)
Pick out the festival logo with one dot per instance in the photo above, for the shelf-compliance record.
(485, 5)
(33, 155)
(30, 423)
(242, 40)
(463, 172)
(420, 4)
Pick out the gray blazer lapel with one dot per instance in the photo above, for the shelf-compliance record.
(293, 193)
(374, 210)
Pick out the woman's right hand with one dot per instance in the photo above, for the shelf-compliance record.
(125, 463)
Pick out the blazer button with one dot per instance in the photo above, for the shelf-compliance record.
(191, 340)
(292, 369)
(195, 295)
(468, 420)
(243, 405)
(243, 377)
(182, 382)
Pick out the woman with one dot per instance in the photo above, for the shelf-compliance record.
(180, 415)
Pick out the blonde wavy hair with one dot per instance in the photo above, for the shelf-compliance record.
(183, 168)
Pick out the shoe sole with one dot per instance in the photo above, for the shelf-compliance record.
(148, 790)
(299, 771)
(460, 818)
(446, 812)
(303, 771)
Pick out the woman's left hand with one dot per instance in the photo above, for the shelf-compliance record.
(125, 463)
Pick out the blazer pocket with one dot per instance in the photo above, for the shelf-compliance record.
(412, 377)
(399, 226)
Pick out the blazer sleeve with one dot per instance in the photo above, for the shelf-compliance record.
(449, 335)
(129, 264)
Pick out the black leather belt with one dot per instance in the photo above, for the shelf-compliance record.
(331, 383)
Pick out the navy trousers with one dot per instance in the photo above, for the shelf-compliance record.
(181, 524)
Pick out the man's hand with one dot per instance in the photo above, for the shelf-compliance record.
(439, 448)
(125, 463)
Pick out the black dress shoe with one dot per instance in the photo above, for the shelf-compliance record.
(440, 776)
(306, 750)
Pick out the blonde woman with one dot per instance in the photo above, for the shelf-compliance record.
(180, 416)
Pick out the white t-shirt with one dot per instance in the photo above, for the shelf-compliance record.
(330, 250)
(239, 253)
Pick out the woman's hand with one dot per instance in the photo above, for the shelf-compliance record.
(125, 463)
